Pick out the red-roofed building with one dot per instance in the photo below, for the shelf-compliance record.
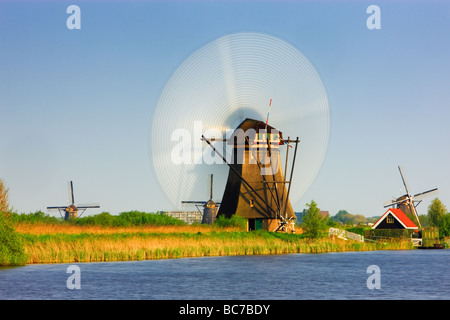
(394, 219)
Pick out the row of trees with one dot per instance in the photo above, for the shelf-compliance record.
(344, 217)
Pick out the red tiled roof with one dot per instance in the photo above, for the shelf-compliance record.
(400, 216)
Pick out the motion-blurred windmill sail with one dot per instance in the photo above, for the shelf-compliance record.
(407, 202)
(217, 88)
(71, 211)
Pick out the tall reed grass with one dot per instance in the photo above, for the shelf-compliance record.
(141, 245)
(142, 236)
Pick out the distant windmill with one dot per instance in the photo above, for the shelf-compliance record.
(71, 211)
(209, 207)
(406, 202)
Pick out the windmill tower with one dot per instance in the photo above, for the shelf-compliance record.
(256, 188)
(209, 207)
(406, 203)
(71, 211)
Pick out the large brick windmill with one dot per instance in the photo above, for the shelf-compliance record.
(257, 188)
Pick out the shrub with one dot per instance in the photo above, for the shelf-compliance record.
(36, 217)
(358, 230)
(128, 218)
(12, 252)
(375, 234)
(234, 221)
(138, 218)
(104, 219)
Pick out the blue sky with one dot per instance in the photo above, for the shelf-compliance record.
(78, 104)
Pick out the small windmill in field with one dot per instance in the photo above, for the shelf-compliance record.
(209, 207)
(71, 211)
(406, 203)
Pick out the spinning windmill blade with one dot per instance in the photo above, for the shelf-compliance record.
(425, 194)
(407, 196)
(211, 187)
(83, 207)
(416, 198)
(404, 180)
(216, 89)
(390, 202)
(210, 194)
(71, 196)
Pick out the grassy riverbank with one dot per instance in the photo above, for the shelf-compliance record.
(70, 243)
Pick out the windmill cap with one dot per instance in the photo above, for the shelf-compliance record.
(250, 127)
(211, 204)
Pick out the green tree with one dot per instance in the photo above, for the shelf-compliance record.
(4, 204)
(423, 218)
(313, 222)
(359, 218)
(344, 217)
(12, 250)
(444, 226)
(436, 211)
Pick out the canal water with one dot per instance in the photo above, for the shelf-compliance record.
(412, 274)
